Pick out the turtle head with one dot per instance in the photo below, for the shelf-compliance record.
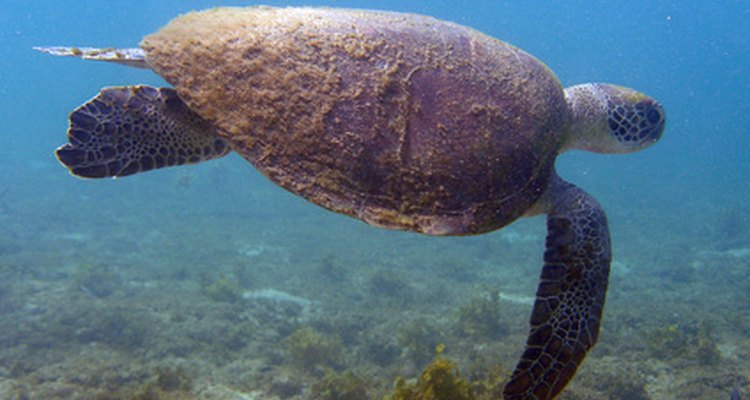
(612, 119)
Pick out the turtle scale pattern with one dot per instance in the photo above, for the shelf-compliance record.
(567, 311)
(126, 130)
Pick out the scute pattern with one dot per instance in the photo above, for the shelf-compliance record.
(125, 130)
(568, 308)
(634, 123)
(400, 120)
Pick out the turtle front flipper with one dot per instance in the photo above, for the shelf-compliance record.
(125, 130)
(569, 300)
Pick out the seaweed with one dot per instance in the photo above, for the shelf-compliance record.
(419, 338)
(382, 352)
(666, 342)
(330, 268)
(694, 341)
(221, 289)
(621, 383)
(440, 380)
(706, 350)
(487, 376)
(172, 379)
(118, 327)
(167, 383)
(95, 279)
(310, 348)
(481, 317)
(389, 284)
(339, 386)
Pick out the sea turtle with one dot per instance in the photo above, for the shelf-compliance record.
(400, 120)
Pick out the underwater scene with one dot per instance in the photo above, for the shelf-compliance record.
(210, 281)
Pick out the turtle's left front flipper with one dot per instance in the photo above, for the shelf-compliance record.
(570, 297)
(131, 129)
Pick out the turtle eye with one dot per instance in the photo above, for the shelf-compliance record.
(653, 121)
(653, 116)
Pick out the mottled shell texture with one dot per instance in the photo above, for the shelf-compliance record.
(401, 120)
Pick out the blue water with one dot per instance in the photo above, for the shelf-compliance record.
(678, 214)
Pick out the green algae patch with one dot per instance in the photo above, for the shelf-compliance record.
(224, 288)
(482, 317)
(439, 381)
(694, 342)
(310, 348)
(420, 338)
(339, 386)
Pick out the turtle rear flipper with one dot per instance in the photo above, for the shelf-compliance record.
(132, 57)
(570, 297)
(126, 130)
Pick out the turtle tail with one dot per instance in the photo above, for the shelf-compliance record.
(126, 130)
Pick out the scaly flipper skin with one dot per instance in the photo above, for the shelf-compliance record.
(570, 297)
(125, 130)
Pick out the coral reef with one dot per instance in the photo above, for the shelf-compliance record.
(694, 341)
(343, 386)
(667, 341)
(310, 348)
(382, 352)
(388, 283)
(172, 378)
(482, 317)
(330, 268)
(487, 376)
(167, 383)
(706, 350)
(222, 289)
(615, 381)
(95, 279)
(116, 327)
(419, 338)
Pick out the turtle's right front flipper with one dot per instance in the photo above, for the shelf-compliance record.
(569, 300)
(125, 130)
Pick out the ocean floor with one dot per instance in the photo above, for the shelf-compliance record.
(129, 300)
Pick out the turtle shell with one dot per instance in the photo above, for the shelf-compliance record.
(403, 121)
